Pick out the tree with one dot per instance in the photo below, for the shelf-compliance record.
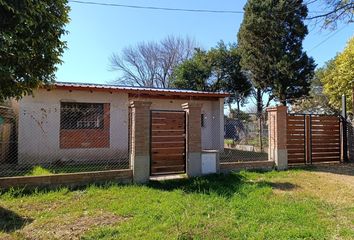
(241, 115)
(317, 102)
(151, 64)
(229, 75)
(194, 73)
(338, 77)
(215, 70)
(333, 11)
(270, 43)
(30, 44)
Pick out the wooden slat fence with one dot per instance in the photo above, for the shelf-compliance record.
(313, 138)
(325, 138)
(296, 139)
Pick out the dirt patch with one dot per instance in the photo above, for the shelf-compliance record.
(67, 227)
(342, 173)
(43, 206)
(331, 183)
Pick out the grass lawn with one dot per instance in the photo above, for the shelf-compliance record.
(254, 141)
(315, 203)
(18, 170)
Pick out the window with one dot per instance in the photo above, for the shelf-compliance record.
(202, 122)
(81, 115)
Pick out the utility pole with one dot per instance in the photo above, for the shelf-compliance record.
(344, 130)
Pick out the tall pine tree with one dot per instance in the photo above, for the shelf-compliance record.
(270, 44)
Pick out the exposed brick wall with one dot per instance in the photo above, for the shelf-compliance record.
(194, 126)
(141, 128)
(277, 130)
(140, 140)
(277, 125)
(88, 138)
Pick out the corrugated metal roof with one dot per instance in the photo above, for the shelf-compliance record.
(134, 89)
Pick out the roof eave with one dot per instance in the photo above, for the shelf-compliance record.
(138, 91)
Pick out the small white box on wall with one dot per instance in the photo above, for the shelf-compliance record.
(209, 161)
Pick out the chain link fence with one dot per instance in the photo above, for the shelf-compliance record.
(77, 137)
(245, 138)
(82, 137)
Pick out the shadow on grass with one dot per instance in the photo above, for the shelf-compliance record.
(11, 221)
(283, 186)
(224, 185)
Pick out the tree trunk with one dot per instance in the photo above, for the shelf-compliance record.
(283, 102)
(238, 108)
(230, 110)
(260, 117)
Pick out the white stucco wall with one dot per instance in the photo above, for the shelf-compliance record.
(213, 130)
(39, 125)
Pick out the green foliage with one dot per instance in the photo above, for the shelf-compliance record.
(337, 77)
(317, 101)
(59, 168)
(270, 44)
(30, 44)
(193, 73)
(239, 114)
(39, 171)
(215, 70)
(229, 75)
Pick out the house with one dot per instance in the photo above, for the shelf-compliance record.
(74, 122)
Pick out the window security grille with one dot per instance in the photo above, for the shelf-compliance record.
(81, 115)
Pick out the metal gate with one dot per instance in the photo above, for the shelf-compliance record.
(168, 142)
(314, 138)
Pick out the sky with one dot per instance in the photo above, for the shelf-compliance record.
(96, 32)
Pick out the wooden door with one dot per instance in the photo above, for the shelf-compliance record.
(168, 142)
